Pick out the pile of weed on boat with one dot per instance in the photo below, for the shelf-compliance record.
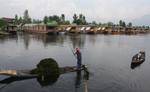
(47, 71)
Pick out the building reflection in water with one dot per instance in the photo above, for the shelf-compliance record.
(77, 40)
(49, 39)
(26, 38)
(9, 37)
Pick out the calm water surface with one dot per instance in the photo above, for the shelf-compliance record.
(108, 58)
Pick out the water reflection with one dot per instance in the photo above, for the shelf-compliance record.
(26, 39)
(82, 79)
(9, 37)
(78, 79)
(46, 81)
(77, 40)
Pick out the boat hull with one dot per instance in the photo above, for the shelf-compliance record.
(137, 61)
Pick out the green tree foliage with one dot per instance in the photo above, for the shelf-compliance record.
(62, 18)
(16, 19)
(122, 23)
(79, 20)
(129, 24)
(2, 24)
(45, 20)
(110, 24)
(94, 23)
(75, 18)
(20, 20)
(67, 22)
(55, 18)
(36, 21)
(26, 17)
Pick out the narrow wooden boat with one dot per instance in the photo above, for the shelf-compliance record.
(138, 59)
(18, 73)
(27, 73)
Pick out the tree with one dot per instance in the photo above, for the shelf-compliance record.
(26, 18)
(16, 19)
(45, 20)
(36, 21)
(129, 24)
(75, 18)
(62, 18)
(84, 20)
(94, 23)
(67, 22)
(81, 17)
(122, 23)
(20, 20)
(110, 24)
(79, 20)
(2, 24)
(55, 18)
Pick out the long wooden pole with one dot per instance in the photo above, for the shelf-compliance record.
(85, 79)
(85, 85)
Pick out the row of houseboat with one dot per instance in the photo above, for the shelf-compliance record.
(83, 29)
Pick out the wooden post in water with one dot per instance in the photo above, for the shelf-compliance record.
(86, 78)
(85, 86)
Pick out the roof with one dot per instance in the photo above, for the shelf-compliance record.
(88, 28)
(82, 28)
(99, 28)
(69, 28)
(9, 20)
(29, 25)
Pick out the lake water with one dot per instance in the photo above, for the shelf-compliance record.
(108, 58)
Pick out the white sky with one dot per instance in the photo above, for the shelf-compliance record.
(98, 10)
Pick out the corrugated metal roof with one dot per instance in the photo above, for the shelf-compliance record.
(68, 28)
(88, 28)
(83, 28)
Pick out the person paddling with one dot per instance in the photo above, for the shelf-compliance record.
(79, 58)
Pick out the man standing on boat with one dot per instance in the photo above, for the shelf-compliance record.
(79, 58)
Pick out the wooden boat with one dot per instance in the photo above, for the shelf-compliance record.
(73, 69)
(17, 73)
(27, 73)
(137, 60)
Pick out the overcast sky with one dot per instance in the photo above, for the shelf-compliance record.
(98, 10)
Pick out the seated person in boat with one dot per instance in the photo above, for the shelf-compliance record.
(140, 55)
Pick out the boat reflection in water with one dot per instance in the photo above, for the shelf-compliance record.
(47, 72)
(82, 79)
(78, 79)
(42, 81)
